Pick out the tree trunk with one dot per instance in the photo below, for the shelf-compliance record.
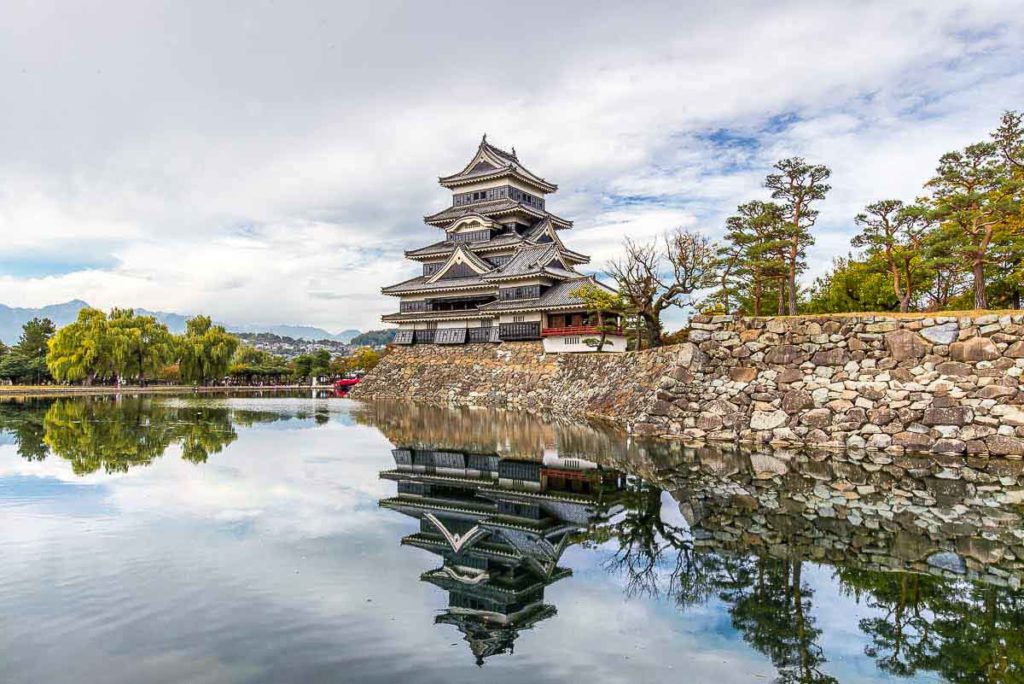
(652, 327)
(905, 303)
(757, 295)
(792, 287)
(978, 269)
(781, 303)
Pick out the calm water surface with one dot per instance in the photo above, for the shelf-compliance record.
(321, 540)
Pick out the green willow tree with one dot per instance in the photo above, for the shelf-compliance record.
(205, 351)
(141, 345)
(81, 351)
(798, 186)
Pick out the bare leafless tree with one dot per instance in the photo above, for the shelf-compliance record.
(656, 275)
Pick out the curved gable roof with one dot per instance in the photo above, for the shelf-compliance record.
(490, 161)
(461, 255)
(546, 259)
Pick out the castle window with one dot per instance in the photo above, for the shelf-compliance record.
(523, 292)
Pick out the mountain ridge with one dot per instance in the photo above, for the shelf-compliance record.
(12, 318)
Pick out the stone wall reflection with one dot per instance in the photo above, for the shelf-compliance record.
(933, 547)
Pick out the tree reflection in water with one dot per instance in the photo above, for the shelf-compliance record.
(769, 603)
(114, 435)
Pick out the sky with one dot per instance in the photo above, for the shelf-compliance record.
(269, 162)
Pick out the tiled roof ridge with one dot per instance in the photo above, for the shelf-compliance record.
(497, 150)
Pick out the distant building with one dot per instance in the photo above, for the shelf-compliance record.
(501, 273)
(500, 527)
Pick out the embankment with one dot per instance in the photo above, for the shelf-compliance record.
(95, 390)
(947, 384)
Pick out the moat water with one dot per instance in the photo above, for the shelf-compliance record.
(305, 539)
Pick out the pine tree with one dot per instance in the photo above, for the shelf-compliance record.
(798, 185)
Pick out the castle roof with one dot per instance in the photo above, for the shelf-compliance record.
(491, 162)
(493, 208)
(559, 295)
(530, 260)
(501, 242)
(444, 247)
(423, 284)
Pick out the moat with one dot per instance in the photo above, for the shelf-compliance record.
(316, 539)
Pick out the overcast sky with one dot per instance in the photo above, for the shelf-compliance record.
(268, 162)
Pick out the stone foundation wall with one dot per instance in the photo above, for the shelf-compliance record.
(520, 375)
(506, 375)
(947, 384)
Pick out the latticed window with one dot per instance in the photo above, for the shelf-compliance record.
(471, 236)
(464, 198)
(424, 336)
(482, 334)
(505, 191)
(449, 459)
(520, 331)
(519, 470)
(450, 336)
(523, 292)
(414, 306)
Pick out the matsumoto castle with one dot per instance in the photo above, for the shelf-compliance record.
(501, 272)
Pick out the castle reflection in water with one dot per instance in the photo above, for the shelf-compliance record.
(500, 526)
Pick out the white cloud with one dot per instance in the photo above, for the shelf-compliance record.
(271, 165)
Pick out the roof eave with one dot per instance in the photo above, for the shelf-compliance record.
(434, 220)
(457, 180)
(437, 288)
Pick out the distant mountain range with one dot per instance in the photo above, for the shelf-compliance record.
(12, 318)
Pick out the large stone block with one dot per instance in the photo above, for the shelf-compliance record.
(830, 357)
(974, 349)
(952, 415)
(912, 440)
(1015, 350)
(795, 401)
(742, 374)
(1004, 445)
(768, 420)
(785, 355)
(941, 334)
(996, 392)
(955, 369)
(905, 344)
(817, 418)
